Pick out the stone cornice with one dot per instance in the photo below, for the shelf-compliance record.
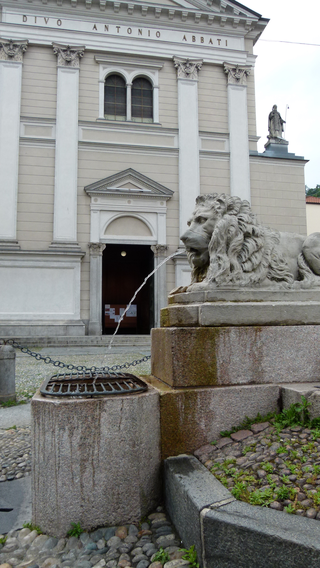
(240, 20)
(12, 50)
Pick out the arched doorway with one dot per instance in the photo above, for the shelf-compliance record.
(124, 268)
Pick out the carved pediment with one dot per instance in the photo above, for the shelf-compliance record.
(129, 182)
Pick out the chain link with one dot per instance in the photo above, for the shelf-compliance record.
(46, 359)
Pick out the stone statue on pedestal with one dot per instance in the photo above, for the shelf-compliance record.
(228, 248)
(275, 123)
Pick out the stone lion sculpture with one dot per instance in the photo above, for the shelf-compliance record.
(227, 247)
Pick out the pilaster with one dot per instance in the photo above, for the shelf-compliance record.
(189, 168)
(160, 282)
(11, 58)
(66, 157)
(238, 130)
(95, 322)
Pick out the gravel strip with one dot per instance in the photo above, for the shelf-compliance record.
(265, 467)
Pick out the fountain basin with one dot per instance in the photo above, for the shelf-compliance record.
(94, 461)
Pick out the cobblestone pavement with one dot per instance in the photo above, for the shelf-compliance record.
(272, 468)
(113, 547)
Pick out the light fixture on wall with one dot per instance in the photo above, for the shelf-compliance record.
(123, 253)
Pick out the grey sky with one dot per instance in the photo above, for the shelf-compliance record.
(289, 74)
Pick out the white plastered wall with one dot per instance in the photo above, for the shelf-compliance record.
(313, 218)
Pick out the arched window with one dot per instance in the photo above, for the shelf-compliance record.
(115, 98)
(142, 100)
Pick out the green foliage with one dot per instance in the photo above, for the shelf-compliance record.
(12, 427)
(285, 479)
(248, 449)
(289, 509)
(32, 527)
(12, 402)
(281, 450)
(313, 191)
(316, 498)
(190, 554)
(3, 539)
(240, 491)
(294, 454)
(283, 493)
(261, 497)
(76, 530)
(296, 415)
(268, 467)
(316, 433)
(161, 556)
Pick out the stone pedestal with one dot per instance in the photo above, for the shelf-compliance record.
(222, 355)
(7, 373)
(96, 461)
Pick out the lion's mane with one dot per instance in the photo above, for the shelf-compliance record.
(241, 251)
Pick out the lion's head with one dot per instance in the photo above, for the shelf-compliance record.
(227, 246)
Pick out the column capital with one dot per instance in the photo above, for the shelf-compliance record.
(68, 56)
(96, 249)
(11, 50)
(237, 74)
(159, 250)
(187, 68)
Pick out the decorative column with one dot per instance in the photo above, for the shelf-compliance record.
(129, 87)
(238, 130)
(160, 281)
(189, 168)
(66, 157)
(11, 56)
(95, 323)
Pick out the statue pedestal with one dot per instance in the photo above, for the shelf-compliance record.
(223, 355)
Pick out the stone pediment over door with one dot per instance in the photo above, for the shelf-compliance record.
(129, 182)
(128, 207)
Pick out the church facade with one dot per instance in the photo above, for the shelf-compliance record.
(114, 117)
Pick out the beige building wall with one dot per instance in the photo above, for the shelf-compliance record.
(89, 87)
(168, 95)
(213, 99)
(277, 190)
(215, 175)
(35, 197)
(251, 98)
(39, 83)
(313, 217)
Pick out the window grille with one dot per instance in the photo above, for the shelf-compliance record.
(142, 100)
(115, 98)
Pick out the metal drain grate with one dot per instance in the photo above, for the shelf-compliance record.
(92, 384)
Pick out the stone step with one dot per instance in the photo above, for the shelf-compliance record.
(85, 341)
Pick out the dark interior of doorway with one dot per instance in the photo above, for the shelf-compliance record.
(124, 268)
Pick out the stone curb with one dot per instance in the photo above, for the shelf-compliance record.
(232, 534)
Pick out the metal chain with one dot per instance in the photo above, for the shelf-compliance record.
(46, 359)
